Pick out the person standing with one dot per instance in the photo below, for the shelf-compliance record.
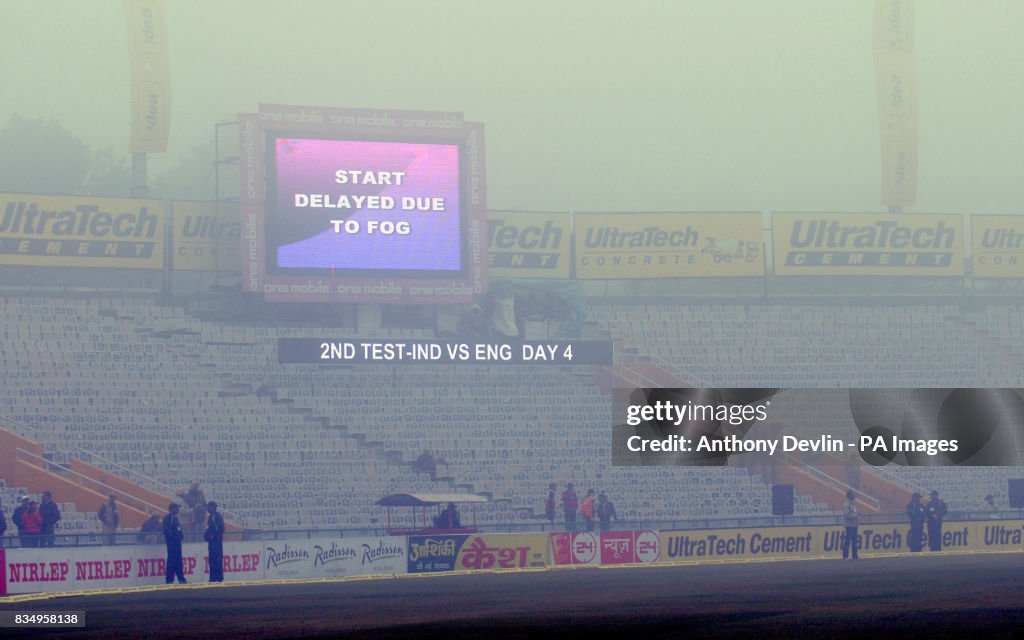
(110, 519)
(50, 514)
(549, 504)
(935, 511)
(570, 501)
(3, 520)
(32, 525)
(587, 510)
(916, 513)
(173, 536)
(195, 503)
(605, 511)
(214, 537)
(18, 518)
(850, 519)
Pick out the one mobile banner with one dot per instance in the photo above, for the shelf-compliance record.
(834, 430)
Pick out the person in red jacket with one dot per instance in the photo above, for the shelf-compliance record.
(587, 510)
(32, 524)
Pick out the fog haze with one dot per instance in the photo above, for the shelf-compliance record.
(729, 105)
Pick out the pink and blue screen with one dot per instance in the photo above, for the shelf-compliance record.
(365, 205)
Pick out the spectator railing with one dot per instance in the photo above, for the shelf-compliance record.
(146, 482)
(897, 519)
(86, 482)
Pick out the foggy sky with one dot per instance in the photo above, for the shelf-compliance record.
(715, 105)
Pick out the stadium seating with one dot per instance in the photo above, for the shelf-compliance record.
(177, 398)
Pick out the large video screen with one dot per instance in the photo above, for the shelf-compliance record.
(364, 206)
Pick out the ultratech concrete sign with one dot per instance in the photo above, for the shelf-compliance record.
(528, 245)
(73, 231)
(861, 244)
(997, 246)
(206, 237)
(667, 245)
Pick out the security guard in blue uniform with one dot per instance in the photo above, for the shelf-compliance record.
(214, 537)
(916, 513)
(935, 511)
(173, 536)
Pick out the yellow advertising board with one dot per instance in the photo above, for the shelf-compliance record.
(997, 246)
(496, 551)
(528, 245)
(710, 545)
(816, 541)
(612, 246)
(150, 74)
(81, 231)
(205, 236)
(861, 244)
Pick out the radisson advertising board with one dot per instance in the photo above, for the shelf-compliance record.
(528, 245)
(81, 231)
(613, 246)
(867, 244)
(997, 246)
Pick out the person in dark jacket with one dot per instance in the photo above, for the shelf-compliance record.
(915, 511)
(214, 537)
(549, 505)
(18, 518)
(173, 536)
(50, 514)
(605, 511)
(851, 537)
(570, 502)
(110, 519)
(150, 531)
(3, 520)
(935, 511)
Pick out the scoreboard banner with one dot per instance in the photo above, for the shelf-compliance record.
(205, 236)
(610, 246)
(864, 244)
(81, 231)
(528, 245)
(997, 246)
